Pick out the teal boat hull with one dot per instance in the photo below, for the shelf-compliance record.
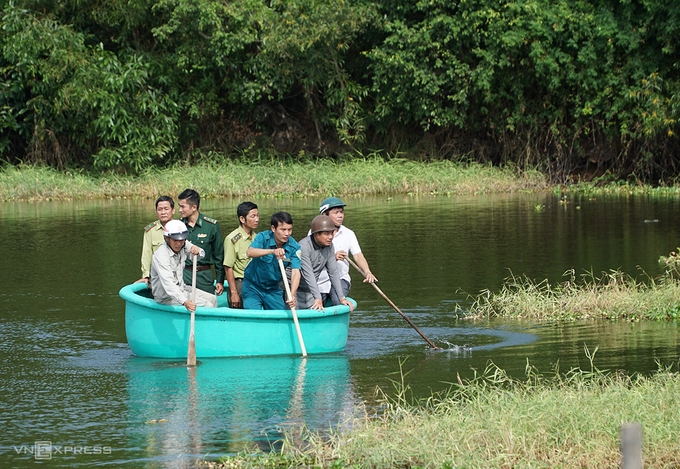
(162, 331)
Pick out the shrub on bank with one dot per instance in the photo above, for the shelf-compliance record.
(613, 295)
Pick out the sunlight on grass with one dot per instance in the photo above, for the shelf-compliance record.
(271, 178)
(565, 420)
(613, 295)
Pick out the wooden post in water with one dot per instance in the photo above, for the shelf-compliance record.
(631, 446)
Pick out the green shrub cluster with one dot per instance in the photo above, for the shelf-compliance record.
(555, 84)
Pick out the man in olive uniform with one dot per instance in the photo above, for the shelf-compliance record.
(204, 232)
(235, 246)
(153, 234)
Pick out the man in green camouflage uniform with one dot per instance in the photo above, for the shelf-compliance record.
(153, 234)
(204, 232)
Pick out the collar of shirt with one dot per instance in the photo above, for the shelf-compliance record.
(245, 235)
(199, 221)
(171, 253)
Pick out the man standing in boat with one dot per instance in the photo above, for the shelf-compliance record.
(235, 246)
(153, 234)
(262, 282)
(318, 256)
(345, 243)
(205, 233)
(167, 267)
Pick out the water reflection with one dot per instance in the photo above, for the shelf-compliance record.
(69, 376)
(231, 404)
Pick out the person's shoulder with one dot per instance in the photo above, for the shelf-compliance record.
(262, 237)
(235, 236)
(346, 230)
(209, 219)
(294, 249)
(161, 252)
(348, 234)
(292, 243)
(152, 225)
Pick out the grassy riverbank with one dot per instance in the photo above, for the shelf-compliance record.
(613, 295)
(562, 421)
(271, 178)
(281, 177)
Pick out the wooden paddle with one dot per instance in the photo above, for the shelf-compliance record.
(290, 298)
(191, 354)
(393, 305)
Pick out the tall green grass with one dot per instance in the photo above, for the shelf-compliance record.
(606, 186)
(566, 420)
(271, 178)
(613, 295)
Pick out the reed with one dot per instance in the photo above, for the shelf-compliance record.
(270, 177)
(493, 421)
(622, 188)
(613, 295)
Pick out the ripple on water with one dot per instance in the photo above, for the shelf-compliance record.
(371, 342)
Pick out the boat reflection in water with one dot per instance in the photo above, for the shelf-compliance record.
(226, 405)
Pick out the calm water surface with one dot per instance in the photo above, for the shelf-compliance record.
(70, 381)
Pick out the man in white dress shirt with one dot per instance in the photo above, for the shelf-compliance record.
(345, 243)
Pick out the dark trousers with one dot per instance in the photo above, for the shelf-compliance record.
(345, 290)
(205, 280)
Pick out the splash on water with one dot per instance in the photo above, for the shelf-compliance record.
(454, 349)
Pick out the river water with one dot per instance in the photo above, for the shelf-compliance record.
(73, 395)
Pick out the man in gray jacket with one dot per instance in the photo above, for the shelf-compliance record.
(167, 265)
(318, 255)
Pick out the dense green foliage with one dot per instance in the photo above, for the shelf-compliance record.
(563, 85)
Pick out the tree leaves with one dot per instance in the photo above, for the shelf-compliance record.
(127, 84)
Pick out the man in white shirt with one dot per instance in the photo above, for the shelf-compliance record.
(167, 270)
(345, 243)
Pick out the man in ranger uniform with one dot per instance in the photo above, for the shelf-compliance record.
(318, 256)
(235, 246)
(204, 232)
(153, 234)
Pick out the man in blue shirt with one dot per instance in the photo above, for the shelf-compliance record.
(262, 281)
